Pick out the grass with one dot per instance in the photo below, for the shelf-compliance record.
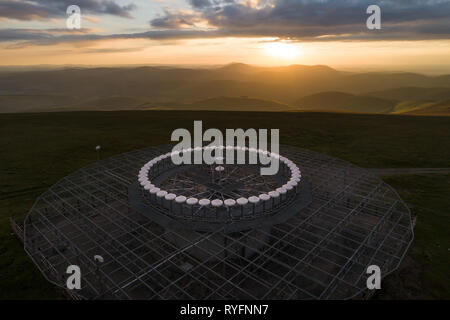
(39, 149)
(424, 274)
(19, 278)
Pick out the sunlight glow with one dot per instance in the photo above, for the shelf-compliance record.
(282, 50)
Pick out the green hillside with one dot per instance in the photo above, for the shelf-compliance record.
(32, 102)
(413, 94)
(107, 104)
(163, 85)
(339, 101)
(407, 106)
(239, 104)
(441, 108)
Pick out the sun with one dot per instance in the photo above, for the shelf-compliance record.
(281, 50)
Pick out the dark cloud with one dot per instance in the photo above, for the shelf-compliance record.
(22, 34)
(24, 10)
(297, 20)
(174, 21)
(29, 37)
(45, 9)
(200, 3)
(320, 12)
(25, 37)
(301, 19)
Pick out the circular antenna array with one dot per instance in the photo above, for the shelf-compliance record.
(211, 192)
(194, 232)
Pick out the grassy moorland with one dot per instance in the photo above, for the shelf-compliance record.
(38, 149)
(233, 87)
(424, 272)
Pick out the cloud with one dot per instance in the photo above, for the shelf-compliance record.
(20, 38)
(320, 19)
(111, 50)
(21, 10)
(47, 9)
(177, 20)
(296, 20)
(200, 3)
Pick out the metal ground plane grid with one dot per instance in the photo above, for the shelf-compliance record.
(341, 219)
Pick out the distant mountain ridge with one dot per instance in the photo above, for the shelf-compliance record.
(153, 87)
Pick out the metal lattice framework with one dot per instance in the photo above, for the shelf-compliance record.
(322, 251)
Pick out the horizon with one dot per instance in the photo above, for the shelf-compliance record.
(414, 36)
(423, 70)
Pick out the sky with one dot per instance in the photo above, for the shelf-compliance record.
(414, 34)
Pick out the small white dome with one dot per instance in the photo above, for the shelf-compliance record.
(161, 193)
(274, 194)
(288, 186)
(229, 202)
(148, 186)
(282, 190)
(180, 199)
(292, 183)
(170, 196)
(242, 201)
(204, 202)
(192, 201)
(217, 203)
(154, 190)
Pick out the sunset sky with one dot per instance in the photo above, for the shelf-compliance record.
(415, 34)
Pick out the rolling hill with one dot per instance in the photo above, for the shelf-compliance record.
(413, 94)
(32, 102)
(107, 104)
(311, 87)
(408, 106)
(345, 102)
(441, 108)
(239, 104)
